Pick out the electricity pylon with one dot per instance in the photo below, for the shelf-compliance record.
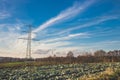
(29, 38)
(28, 50)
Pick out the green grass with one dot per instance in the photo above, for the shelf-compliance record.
(12, 64)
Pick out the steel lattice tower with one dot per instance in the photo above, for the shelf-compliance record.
(28, 50)
(29, 39)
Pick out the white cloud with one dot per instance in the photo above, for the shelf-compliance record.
(8, 36)
(70, 36)
(92, 22)
(66, 14)
(97, 21)
(41, 51)
(10, 27)
(4, 15)
(107, 45)
(50, 45)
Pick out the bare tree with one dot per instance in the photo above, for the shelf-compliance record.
(100, 53)
(70, 54)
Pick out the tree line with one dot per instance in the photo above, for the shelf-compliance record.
(97, 56)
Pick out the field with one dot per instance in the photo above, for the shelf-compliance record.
(86, 71)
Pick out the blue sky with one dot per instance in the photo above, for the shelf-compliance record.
(63, 25)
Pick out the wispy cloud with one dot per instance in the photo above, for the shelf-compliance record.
(89, 23)
(41, 51)
(11, 27)
(96, 21)
(4, 15)
(9, 33)
(70, 36)
(58, 42)
(50, 45)
(106, 44)
(66, 14)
